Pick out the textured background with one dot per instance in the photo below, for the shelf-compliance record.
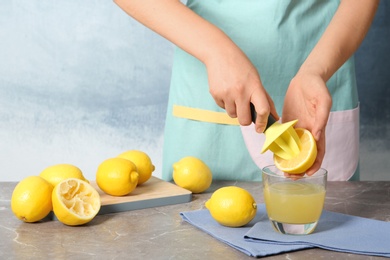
(373, 78)
(80, 82)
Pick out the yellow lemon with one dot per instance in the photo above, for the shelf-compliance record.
(143, 162)
(75, 202)
(31, 199)
(59, 172)
(232, 206)
(304, 160)
(117, 176)
(192, 174)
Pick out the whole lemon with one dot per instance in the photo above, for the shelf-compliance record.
(117, 176)
(31, 199)
(192, 174)
(232, 206)
(143, 162)
(75, 202)
(59, 172)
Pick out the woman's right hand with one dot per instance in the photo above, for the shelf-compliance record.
(234, 83)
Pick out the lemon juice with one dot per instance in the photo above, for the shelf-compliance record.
(294, 203)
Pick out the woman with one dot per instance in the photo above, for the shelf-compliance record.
(292, 58)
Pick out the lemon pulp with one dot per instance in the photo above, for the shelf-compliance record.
(306, 157)
(75, 202)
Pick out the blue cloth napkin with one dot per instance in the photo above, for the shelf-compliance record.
(234, 237)
(335, 231)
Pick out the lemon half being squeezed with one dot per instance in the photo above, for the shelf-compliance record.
(306, 157)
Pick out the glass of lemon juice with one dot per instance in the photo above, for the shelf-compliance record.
(294, 203)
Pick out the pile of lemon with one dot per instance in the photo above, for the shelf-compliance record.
(63, 189)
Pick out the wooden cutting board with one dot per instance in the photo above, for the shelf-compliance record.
(153, 193)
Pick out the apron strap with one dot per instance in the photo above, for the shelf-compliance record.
(203, 115)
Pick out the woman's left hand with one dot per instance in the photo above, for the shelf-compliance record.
(308, 100)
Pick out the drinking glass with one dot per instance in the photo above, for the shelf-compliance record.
(294, 203)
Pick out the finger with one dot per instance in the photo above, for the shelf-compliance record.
(314, 168)
(321, 120)
(320, 155)
(273, 111)
(294, 177)
(230, 108)
(244, 113)
(261, 120)
(262, 108)
(220, 103)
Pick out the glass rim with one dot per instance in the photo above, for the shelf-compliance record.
(320, 173)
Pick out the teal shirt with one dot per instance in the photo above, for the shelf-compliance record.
(277, 36)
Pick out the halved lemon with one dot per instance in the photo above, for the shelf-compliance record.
(75, 202)
(306, 157)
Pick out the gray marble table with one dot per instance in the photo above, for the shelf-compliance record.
(159, 233)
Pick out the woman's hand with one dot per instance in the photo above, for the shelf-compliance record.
(235, 83)
(233, 80)
(308, 100)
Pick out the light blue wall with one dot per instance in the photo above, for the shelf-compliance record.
(80, 81)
